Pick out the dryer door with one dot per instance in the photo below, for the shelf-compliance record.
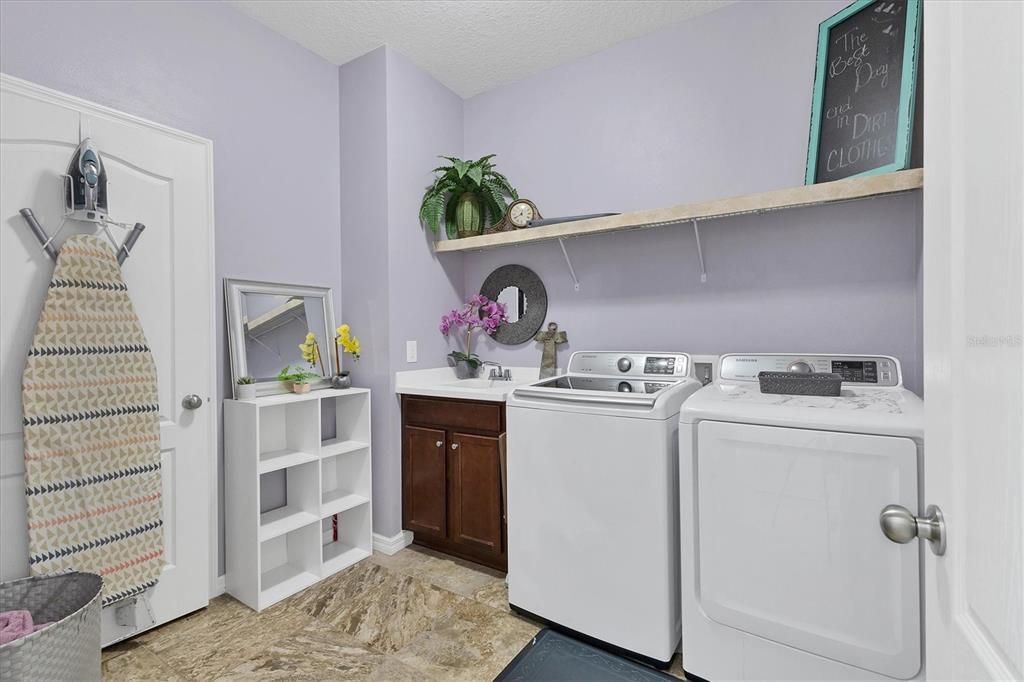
(790, 547)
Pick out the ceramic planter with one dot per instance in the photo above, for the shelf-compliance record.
(301, 388)
(245, 391)
(469, 215)
(464, 370)
(341, 380)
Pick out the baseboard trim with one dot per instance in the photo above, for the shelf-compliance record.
(219, 587)
(392, 545)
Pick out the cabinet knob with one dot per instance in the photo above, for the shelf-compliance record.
(439, 443)
(455, 446)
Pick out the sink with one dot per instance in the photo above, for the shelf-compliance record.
(475, 383)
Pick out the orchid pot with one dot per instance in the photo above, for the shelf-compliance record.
(464, 369)
(341, 380)
(479, 313)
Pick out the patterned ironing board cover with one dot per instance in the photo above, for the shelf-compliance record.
(92, 429)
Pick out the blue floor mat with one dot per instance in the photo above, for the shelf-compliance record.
(553, 657)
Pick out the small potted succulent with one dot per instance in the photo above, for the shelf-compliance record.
(298, 377)
(465, 195)
(348, 344)
(246, 389)
(478, 313)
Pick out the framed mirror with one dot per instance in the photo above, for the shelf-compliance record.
(525, 299)
(266, 322)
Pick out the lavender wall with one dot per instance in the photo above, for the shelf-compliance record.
(711, 107)
(395, 121)
(270, 107)
(424, 121)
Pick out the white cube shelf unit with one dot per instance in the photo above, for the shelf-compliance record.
(325, 523)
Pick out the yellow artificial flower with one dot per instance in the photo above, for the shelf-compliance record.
(310, 350)
(348, 343)
(343, 331)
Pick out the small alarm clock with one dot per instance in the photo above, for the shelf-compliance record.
(520, 212)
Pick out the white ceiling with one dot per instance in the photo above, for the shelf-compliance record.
(470, 45)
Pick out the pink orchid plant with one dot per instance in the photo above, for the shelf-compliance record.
(478, 313)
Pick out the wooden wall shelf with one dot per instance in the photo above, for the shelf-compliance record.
(849, 189)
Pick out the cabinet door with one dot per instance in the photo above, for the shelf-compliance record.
(475, 514)
(424, 483)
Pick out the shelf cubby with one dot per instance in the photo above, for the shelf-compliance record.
(344, 481)
(275, 546)
(302, 504)
(288, 563)
(353, 543)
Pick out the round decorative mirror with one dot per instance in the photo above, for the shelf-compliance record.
(525, 300)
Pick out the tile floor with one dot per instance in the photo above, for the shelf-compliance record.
(417, 615)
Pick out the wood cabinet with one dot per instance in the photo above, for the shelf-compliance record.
(424, 482)
(452, 483)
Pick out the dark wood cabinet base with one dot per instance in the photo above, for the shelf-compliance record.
(453, 497)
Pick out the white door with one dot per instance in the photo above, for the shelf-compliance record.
(974, 358)
(161, 178)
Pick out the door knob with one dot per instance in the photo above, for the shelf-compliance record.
(439, 443)
(191, 402)
(455, 446)
(900, 526)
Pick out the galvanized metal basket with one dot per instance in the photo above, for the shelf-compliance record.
(69, 649)
(793, 383)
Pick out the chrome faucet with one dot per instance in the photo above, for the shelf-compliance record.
(497, 373)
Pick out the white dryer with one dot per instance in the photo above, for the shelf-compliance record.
(786, 573)
(593, 526)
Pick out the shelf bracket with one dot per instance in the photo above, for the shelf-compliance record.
(572, 271)
(700, 253)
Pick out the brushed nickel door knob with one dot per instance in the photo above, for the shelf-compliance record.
(191, 402)
(900, 526)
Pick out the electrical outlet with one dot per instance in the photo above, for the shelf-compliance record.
(410, 351)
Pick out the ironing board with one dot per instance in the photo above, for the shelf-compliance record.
(92, 429)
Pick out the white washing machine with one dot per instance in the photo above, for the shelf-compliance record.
(786, 573)
(593, 532)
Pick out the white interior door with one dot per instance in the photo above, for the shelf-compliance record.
(974, 359)
(161, 178)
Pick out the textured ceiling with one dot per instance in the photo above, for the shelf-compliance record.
(470, 45)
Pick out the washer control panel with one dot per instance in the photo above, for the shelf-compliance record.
(629, 364)
(867, 370)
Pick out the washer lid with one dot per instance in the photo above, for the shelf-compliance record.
(646, 398)
(570, 382)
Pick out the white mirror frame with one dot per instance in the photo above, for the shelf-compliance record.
(234, 289)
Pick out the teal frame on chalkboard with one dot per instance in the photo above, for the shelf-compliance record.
(908, 86)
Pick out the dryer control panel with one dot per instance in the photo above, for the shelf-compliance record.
(863, 370)
(630, 364)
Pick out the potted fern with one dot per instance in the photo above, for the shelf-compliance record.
(463, 195)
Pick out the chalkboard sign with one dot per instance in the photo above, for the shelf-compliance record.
(864, 90)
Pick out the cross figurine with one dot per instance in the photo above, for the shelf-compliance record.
(548, 359)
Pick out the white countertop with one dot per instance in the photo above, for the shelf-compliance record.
(442, 383)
